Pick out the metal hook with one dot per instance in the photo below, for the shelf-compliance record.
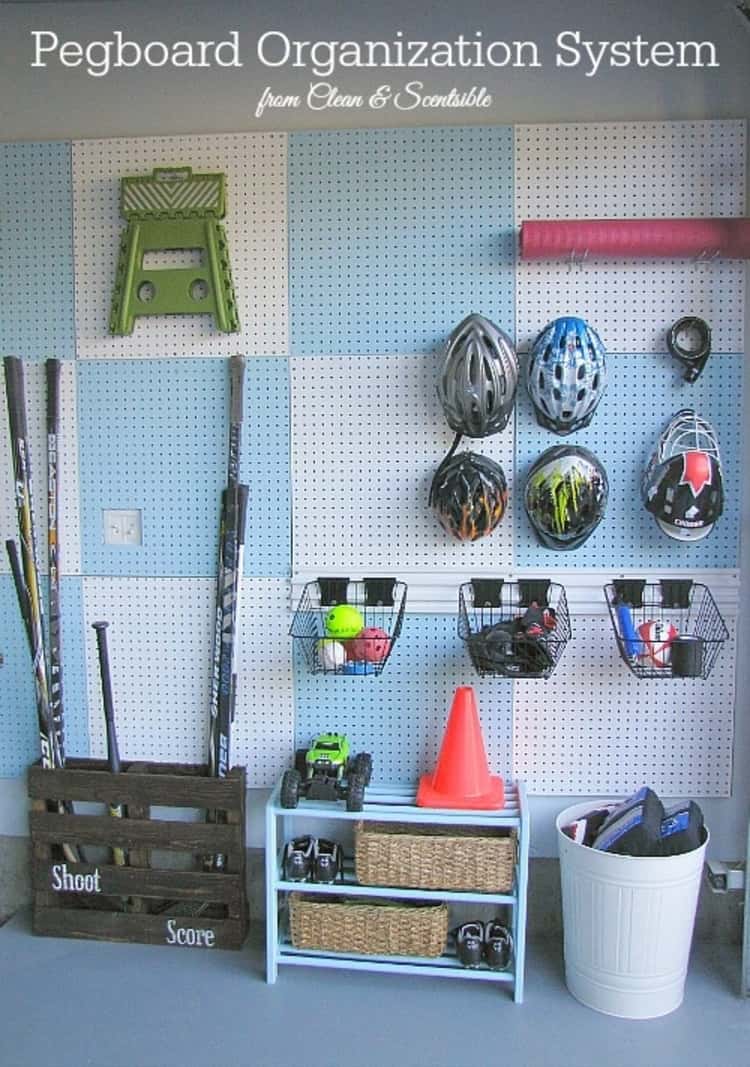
(577, 260)
(707, 256)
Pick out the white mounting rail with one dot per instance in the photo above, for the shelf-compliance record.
(437, 594)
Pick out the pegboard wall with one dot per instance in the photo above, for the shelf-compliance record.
(255, 224)
(36, 255)
(393, 233)
(632, 170)
(367, 437)
(604, 729)
(354, 254)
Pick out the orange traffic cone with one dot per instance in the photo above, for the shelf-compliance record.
(462, 778)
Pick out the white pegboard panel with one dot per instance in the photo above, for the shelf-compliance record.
(632, 170)
(255, 169)
(161, 647)
(593, 728)
(68, 489)
(368, 434)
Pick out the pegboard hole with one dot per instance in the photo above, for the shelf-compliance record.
(199, 290)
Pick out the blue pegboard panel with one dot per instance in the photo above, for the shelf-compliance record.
(396, 235)
(19, 735)
(265, 467)
(400, 715)
(153, 437)
(643, 392)
(36, 251)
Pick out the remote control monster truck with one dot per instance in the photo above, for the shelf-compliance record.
(325, 771)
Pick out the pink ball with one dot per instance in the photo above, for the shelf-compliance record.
(372, 645)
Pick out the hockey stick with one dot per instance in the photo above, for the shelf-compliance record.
(53, 545)
(113, 754)
(69, 851)
(14, 387)
(26, 576)
(231, 546)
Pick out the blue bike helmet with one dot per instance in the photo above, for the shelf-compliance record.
(566, 375)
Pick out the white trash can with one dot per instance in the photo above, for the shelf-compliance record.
(627, 923)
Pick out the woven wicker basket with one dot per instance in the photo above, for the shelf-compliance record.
(382, 929)
(434, 857)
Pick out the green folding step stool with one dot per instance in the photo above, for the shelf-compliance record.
(173, 209)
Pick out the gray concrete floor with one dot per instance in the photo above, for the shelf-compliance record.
(91, 1004)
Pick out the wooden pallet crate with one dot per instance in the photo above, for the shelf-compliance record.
(163, 896)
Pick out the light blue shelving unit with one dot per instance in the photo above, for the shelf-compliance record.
(745, 980)
(390, 803)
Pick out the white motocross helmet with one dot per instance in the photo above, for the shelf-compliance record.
(682, 485)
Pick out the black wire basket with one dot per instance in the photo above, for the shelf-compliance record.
(348, 626)
(514, 629)
(666, 629)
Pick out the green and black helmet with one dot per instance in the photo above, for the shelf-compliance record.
(565, 497)
(469, 495)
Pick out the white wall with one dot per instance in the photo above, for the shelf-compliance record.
(55, 103)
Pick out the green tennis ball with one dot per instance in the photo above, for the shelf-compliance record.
(344, 621)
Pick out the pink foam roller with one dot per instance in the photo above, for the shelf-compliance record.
(635, 238)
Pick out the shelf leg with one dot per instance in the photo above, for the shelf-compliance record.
(272, 916)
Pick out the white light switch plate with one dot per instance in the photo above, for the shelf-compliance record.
(122, 527)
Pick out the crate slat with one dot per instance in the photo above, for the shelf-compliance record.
(50, 828)
(120, 926)
(161, 789)
(130, 881)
